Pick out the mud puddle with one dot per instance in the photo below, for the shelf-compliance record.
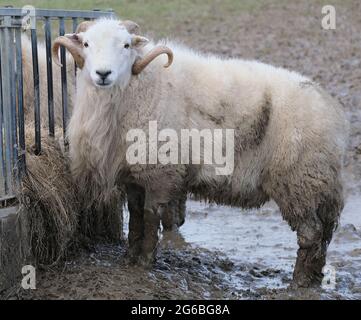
(261, 243)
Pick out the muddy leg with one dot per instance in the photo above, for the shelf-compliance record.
(150, 240)
(173, 213)
(135, 195)
(311, 255)
(152, 220)
(311, 200)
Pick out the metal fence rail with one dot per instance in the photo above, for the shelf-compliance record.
(12, 129)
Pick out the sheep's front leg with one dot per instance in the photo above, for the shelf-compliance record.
(151, 237)
(160, 187)
(135, 195)
(152, 218)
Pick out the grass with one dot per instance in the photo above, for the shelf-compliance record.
(133, 8)
(161, 16)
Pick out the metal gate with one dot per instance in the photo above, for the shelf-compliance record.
(12, 135)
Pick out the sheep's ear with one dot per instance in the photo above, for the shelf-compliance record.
(131, 26)
(139, 42)
(84, 26)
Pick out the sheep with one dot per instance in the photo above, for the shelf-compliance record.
(170, 220)
(289, 135)
(102, 212)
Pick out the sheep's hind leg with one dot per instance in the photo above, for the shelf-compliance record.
(135, 195)
(314, 236)
(314, 229)
(311, 255)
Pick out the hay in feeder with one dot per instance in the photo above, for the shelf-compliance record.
(57, 215)
(49, 199)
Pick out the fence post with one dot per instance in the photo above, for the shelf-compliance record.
(64, 85)
(7, 99)
(49, 69)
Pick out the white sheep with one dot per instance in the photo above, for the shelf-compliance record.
(102, 212)
(289, 137)
(173, 216)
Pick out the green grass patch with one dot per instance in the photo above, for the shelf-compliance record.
(161, 16)
(164, 17)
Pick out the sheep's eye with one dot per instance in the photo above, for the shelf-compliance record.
(126, 46)
(86, 45)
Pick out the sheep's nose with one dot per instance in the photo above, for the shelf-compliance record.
(103, 73)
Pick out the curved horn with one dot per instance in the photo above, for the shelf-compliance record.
(68, 42)
(140, 64)
(131, 26)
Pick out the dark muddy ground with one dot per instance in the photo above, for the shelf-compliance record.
(222, 252)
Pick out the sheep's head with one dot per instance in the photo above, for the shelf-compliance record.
(108, 51)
